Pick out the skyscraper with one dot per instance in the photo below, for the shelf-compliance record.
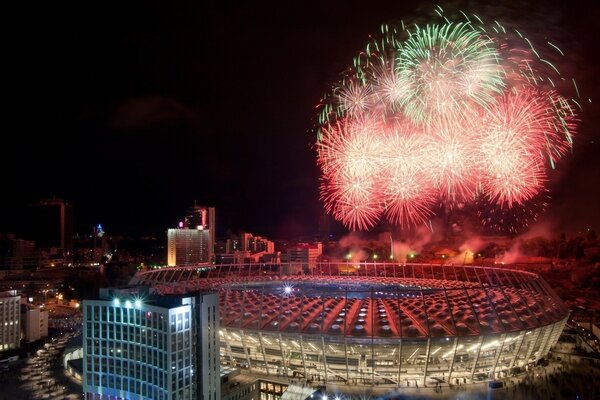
(138, 345)
(200, 216)
(194, 239)
(188, 246)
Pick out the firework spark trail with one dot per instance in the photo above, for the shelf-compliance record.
(446, 113)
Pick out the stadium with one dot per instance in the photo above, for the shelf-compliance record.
(376, 323)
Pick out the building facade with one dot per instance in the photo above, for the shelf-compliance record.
(188, 246)
(10, 329)
(201, 217)
(139, 346)
(304, 256)
(34, 322)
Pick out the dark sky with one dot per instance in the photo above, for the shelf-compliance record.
(131, 111)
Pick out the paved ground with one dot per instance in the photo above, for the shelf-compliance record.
(41, 376)
(554, 382)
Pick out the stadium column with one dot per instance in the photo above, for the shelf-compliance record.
(344, 332)
(245, 347)
(503, 339)
(516, 353)
(428, 330)
(302, 302)
(453, 358)
(302, 355)
(228, 347)
(346, 354)
(262, 348)
(372, 335)
(426, 361)
(532, 344)
(283, 366)
(261, 312)
(324, 360)
(400, 333)
(481, 337)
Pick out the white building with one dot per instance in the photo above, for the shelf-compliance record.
(10, 312)
(34, 321)
(139, 346)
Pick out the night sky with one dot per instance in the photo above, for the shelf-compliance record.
(131, 112)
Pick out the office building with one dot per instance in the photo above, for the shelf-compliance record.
(138, 345)
(10, 329)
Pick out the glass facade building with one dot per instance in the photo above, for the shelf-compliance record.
(151, 347)
(401, 325)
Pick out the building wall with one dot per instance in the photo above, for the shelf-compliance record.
(35, 324)
(207, 350)
(10, 329)
(127, 350)
(306, 256)
(135, 351)
(188, 246)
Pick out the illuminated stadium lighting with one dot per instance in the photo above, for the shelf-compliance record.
(287, 289)
(138, 303)
(116, 302)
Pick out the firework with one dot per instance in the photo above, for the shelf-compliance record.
(448, 113)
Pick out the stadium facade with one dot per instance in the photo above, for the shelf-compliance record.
(403, 325)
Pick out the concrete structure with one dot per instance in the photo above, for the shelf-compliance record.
(10, 328)
(389, 324)
(188, 246)
(34, 322)
(138, 345)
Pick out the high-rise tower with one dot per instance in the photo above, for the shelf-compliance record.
(194, 239)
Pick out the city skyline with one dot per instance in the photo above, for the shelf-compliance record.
(163, 106)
